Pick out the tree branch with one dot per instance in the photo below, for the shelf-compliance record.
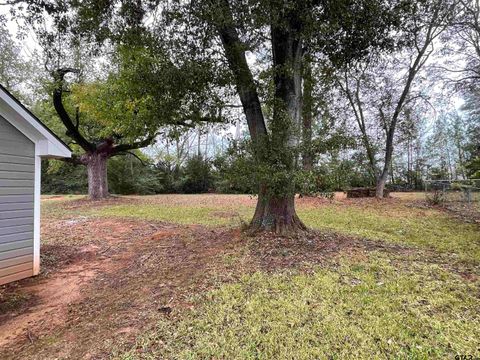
(133, 146)
(237, 61)
(72, 130)
(134, 155)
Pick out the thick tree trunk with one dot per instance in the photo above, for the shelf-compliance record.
(273, 213)
(276, 214)
(307, 117)
(97, 176)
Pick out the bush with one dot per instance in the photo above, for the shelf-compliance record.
(167, 176)
(59, 177)
(235, 170)
(127, 175)
(436, 197)
(196, 176)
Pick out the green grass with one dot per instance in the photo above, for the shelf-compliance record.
(368, 310)
(408, 226)
(398, 224)
(180, 214)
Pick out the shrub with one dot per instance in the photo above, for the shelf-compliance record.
(196, 176)
(235, 170)
(59, 177)
(128, 175)
(436, 197)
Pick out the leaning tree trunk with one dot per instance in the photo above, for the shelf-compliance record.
(276, 214)
(97, 176)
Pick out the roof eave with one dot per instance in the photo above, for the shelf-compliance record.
(47, 143)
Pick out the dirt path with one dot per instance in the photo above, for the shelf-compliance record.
(115, 278)
(53, 296)
(68, 275)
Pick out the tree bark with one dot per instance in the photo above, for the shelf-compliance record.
(382, 178)
(276, 209)
(97, 175)
(276, 214)
(307, 117)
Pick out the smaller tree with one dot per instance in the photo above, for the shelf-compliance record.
(425, 22)
(197, 175)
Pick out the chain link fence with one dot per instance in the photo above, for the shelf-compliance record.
(440, 192)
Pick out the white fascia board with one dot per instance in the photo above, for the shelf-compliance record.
(48, 149)
(46, 144)
(36, 216)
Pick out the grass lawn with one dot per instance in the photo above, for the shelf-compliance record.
(369, 310)
(393, 221)
(177, 280)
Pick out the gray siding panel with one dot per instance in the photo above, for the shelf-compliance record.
(15, 253)
(15, 261)
(11, 147)
(16, 245)
(7, 230)
(17, 276)
(15, 237)
(18, 167)
(14, 214)
(15, 269)
(16, 175)
(17, 206)
(17, 181)
(16, 190)
(7, 158)
(14, 222)
(10, 199)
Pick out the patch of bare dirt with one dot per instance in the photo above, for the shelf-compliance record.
(53, 296)
(67, 273)
(117, 278)
(341, 199)
(54, 197)
(469, 213)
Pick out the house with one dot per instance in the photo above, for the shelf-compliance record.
(24, 141)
